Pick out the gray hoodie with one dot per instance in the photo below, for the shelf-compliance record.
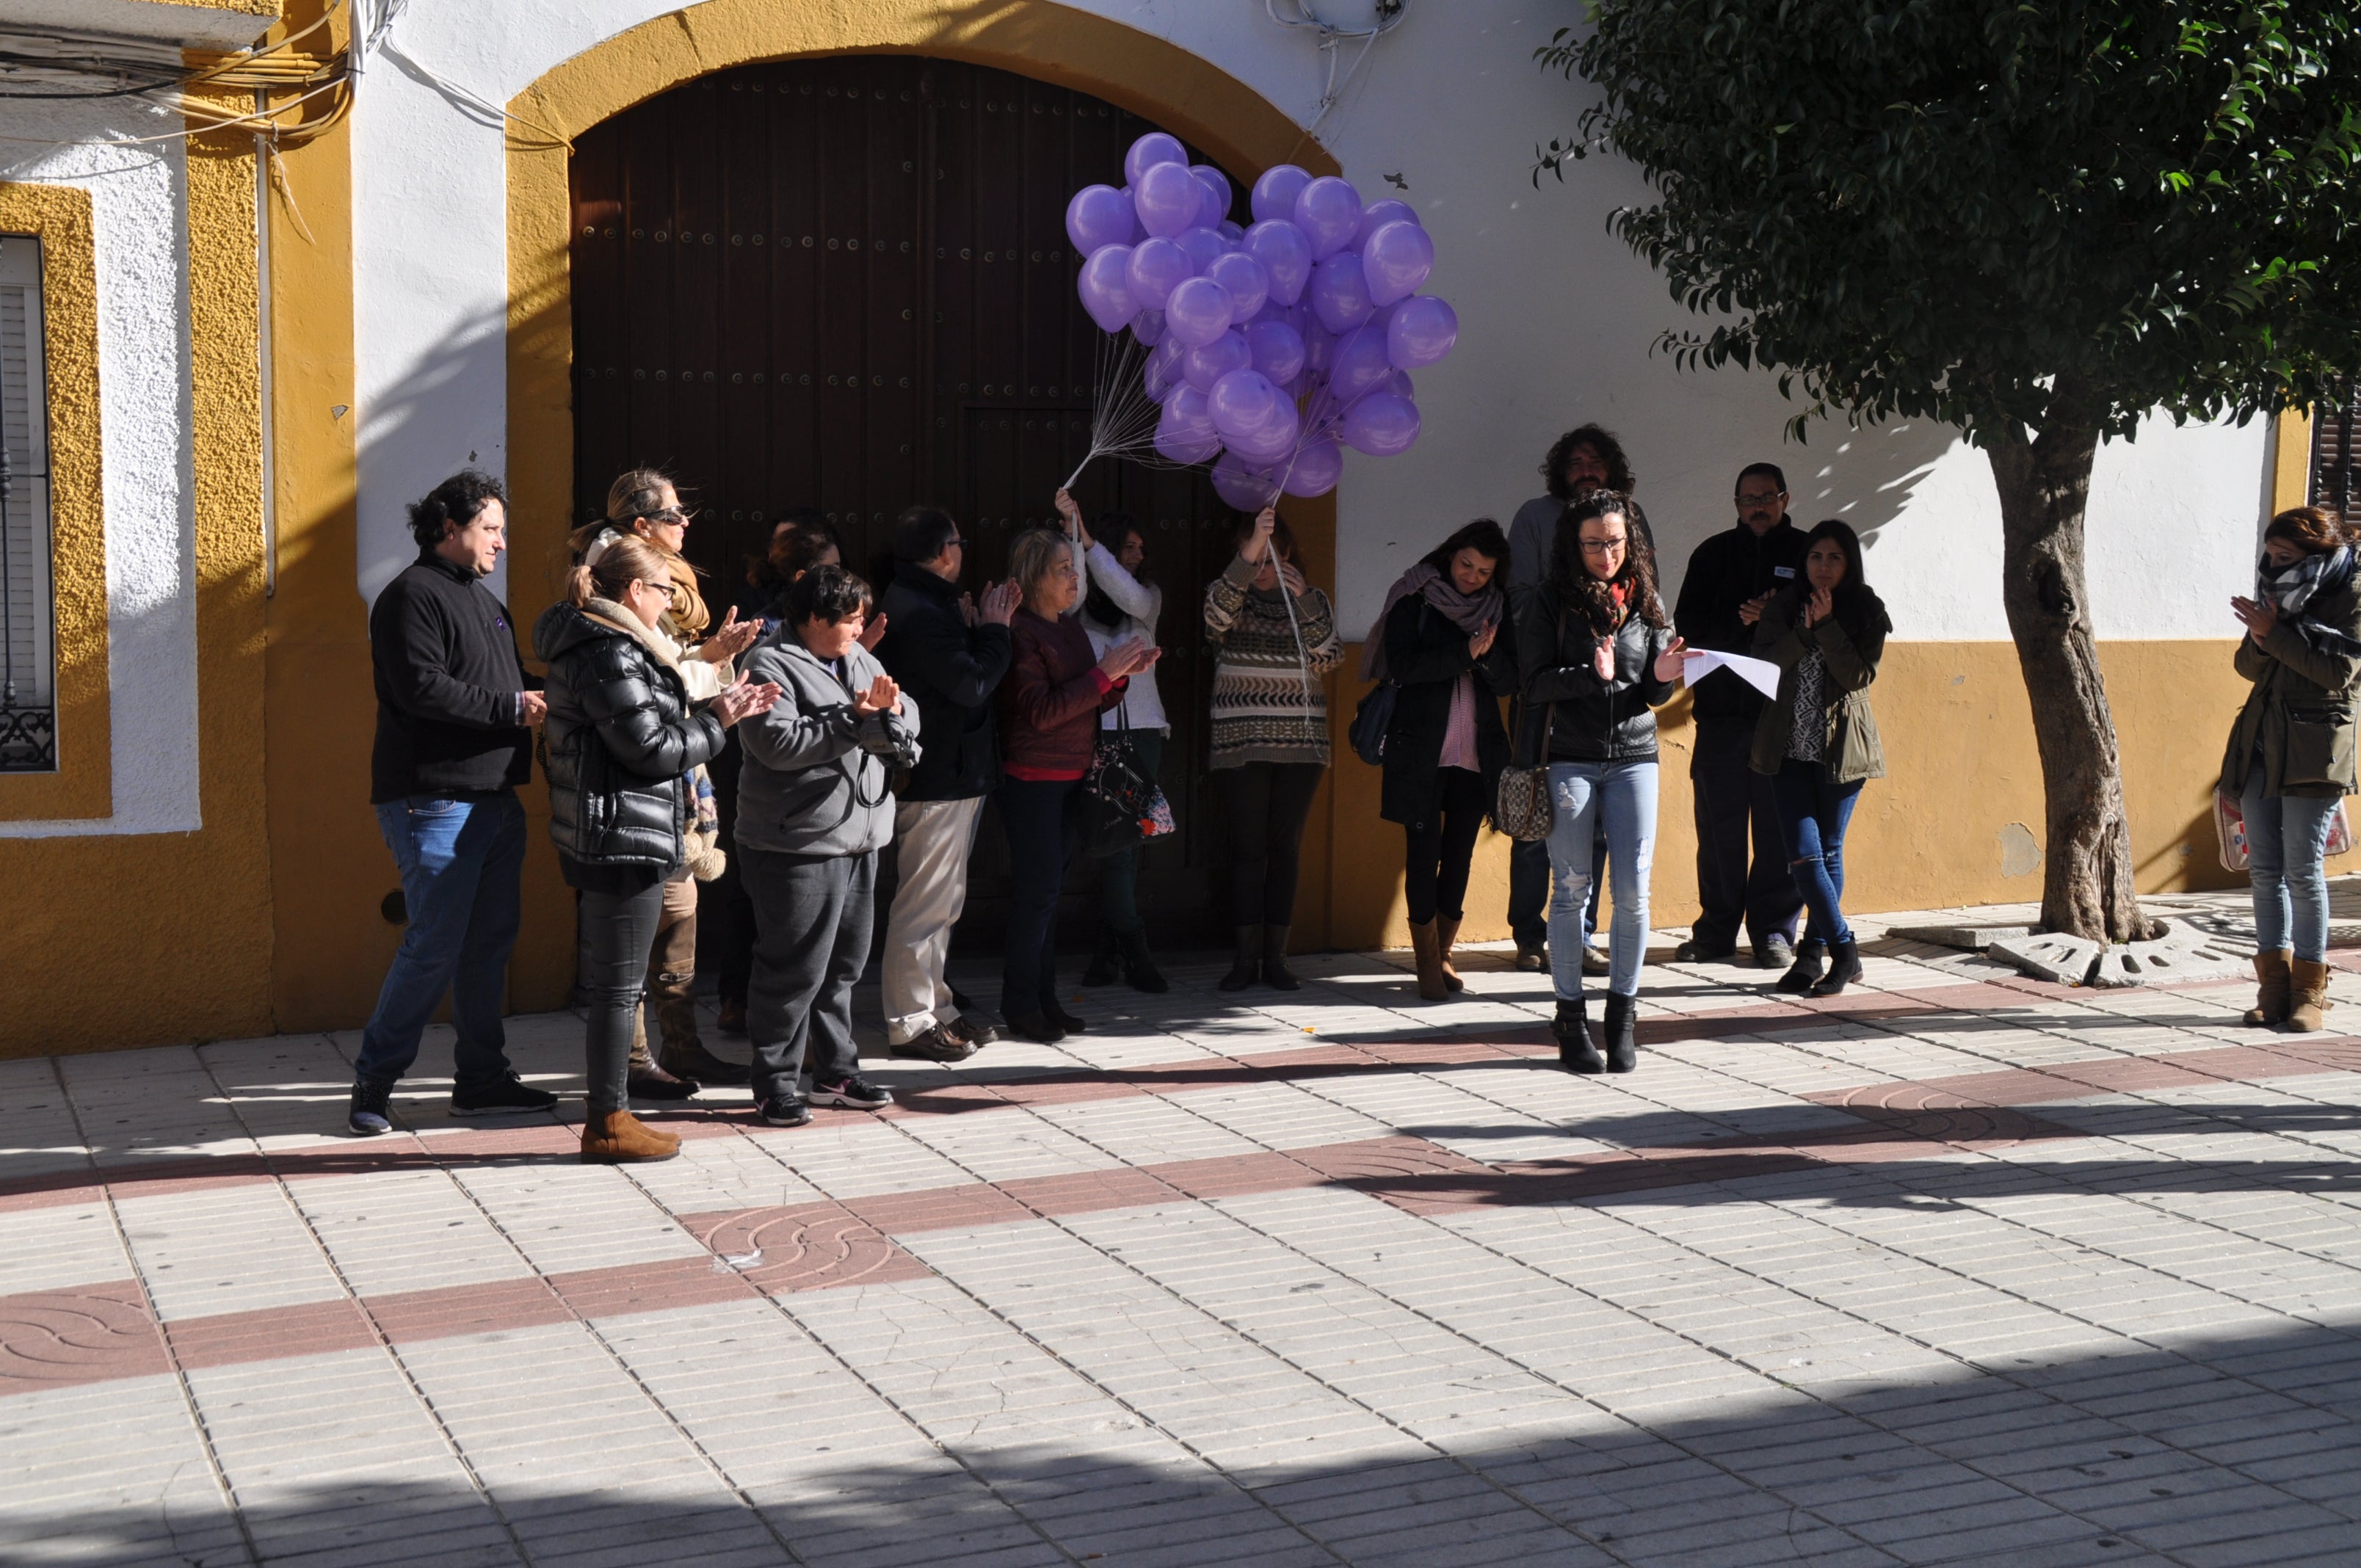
(815, 781)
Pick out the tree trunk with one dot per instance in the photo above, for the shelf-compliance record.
(2044, 484)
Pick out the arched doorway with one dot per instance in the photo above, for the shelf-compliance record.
(844, 283)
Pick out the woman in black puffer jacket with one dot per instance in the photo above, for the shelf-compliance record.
(621, 736)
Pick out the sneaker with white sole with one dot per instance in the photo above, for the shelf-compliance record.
(506, 1095)
(372, 1109)
(781, 1110)
(852, 1091)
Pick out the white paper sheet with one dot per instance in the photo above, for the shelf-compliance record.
(1760, 673)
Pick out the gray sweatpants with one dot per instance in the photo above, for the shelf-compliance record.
(812, 915)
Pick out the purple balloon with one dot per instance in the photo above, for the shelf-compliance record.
(1319, 347)
(1377, 215)
(1381, 425)
(1243, 403)
(1316, 469)
(1098, 216)
(1275, 193)
(1153, 149)
(1243, 276)
(1285, 255)
(1203, 245)
(1166, 197)
(1274, 443)
(1217, 193)
(1148, 326)
(1137, 232)
(1204, 366)
(1185, 433)
(1197, 312)
(1104, 293)
(1359, 364)
(1402, 383)
(1229, 231)
(1242, 487)
(1395, 260)
(1277, 350)
(1339, 294)
(1162, 371)
(1421, 331)
(1328, 212)
(1157, 267)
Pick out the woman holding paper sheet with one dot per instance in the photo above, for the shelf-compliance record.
(1818, 739)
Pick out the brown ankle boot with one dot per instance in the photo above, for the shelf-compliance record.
(2308, 988)
(1445, 933)
(1429, 953)
(2273, 993)
(618, 1137)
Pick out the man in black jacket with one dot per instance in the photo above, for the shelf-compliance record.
(949, 655)
(455, 712)
(1731, 577)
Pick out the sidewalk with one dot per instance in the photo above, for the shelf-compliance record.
(1954, 1268)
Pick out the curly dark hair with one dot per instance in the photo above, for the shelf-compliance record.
(2315, 530)
(1599, 439)
(1575, 586)
(825, 593)
(454, 502)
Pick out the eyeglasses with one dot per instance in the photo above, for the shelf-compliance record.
(954, 539)
(1763, 499)
(1601, 546)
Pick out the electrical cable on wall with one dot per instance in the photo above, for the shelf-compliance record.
(1385, 16)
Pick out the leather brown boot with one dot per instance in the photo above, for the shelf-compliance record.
(618, 1137)
(648, 1080)
(1422, 945)
(1445, 933)
(2309, 995)
(2274, 992)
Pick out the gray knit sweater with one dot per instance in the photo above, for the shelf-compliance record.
(1270, 702)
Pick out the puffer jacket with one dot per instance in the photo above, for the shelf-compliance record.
(621, 737)
(817, 778)
(1851, 643)
(1611, 721)
(2299, 721)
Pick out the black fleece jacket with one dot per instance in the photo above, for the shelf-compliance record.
(447, 675)
(1726, 570)
(952, 669)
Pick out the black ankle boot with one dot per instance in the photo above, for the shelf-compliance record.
(1107, 964)
(1139, 965)
(1811, 962)
(1622, 1032)
(1245, 963)
(1275, 972)
(1572, 1027)
(1844, 968)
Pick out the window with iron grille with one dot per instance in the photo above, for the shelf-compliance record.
(2337, 452)
(29, 737)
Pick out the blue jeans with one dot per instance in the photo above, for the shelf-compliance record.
(1814, 810)
(2287, 837)
(462, 864)
(1581, 795)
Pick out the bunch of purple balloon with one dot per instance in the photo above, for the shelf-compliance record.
(1268, 345)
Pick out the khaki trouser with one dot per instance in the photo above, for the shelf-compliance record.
(932, 840)
(672, 974)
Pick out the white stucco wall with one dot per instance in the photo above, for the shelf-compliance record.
(139, 211)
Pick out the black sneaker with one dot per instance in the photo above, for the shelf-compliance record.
(503, 1096)
(1774, 951)
(934, 1044)
(852, 1091)
(781, 1110)
(372, 1112)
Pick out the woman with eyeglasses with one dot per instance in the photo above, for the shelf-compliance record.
(1597, 655)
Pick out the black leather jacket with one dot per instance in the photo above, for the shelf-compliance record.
(1595, 722)
(620, 738)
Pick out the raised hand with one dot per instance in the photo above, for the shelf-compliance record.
(1668, 663)
(873, 631)
(731, 638)
(2260, 617)
(1000, 602)
(883, 697)
(1602, 659)
(1072, 513)
(744, 700)
(1292, 578)
(1481, 644)
(1819, 606)
(1259, 541)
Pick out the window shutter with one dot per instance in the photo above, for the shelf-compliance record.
(2337, 452)
(28, 651)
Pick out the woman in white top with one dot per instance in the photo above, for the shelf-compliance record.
(1120, 606)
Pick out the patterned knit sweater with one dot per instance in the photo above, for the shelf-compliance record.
(1269, 704)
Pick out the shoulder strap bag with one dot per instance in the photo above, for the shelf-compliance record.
(1520, 806)
(1123, 806)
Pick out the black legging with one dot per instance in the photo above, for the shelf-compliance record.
(1440, 849)
(1267, 803)
(617, 931)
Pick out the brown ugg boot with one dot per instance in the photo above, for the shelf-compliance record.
(1422, 945)
(2272, 995)
(2309, 996)
(618, 1137)
(1445, 933)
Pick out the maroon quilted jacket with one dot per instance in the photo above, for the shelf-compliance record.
(1051, 699)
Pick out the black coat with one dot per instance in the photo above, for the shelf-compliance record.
(1425, 656)
(1726, 570)
(952, 669)
(621, 737)
(447, 675)
(1612, 721)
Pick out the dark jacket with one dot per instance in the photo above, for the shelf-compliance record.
(1851, 643)
(1726, 570)
(1595, 723)
(1050, 703)
(952, 669)
(447, 677)
(2300, 717)
(1425, 656)
(621, 737)
(817, 776)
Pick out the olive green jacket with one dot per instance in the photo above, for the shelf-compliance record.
(1852, 750)
(2300, 715)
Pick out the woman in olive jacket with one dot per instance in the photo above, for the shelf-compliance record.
(2290, 757)
(622, 735)
(1818, 740)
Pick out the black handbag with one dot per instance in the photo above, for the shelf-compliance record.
(1122, 806)
(1370, 722)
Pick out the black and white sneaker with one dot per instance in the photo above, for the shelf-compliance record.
(503, 1096)
(781, 1110)
(853, 1092)
(372, 1110)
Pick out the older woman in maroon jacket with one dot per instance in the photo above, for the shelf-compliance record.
(1050, 707)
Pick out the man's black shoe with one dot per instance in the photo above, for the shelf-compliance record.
(503, 1096)
(1695, 953)
(1036, 1026)
(372, 1109)
(970, 1031)
(1063, 1019)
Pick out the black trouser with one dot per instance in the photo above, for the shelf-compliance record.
(812, 915)
(1039, 817)
(1439, 850)
(617, 931)
(1267, 803)
(1529, 887)
(725, 931)
(1734, 803)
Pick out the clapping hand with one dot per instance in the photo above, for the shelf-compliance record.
(883, 697)
(744, 700)
(875, 632)
(1668, 663)
(1752, 610)
(731, 638)
(2260, 617)
(1602, 658)
(1481, 644)
(1000, 602)
(1819, 606)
